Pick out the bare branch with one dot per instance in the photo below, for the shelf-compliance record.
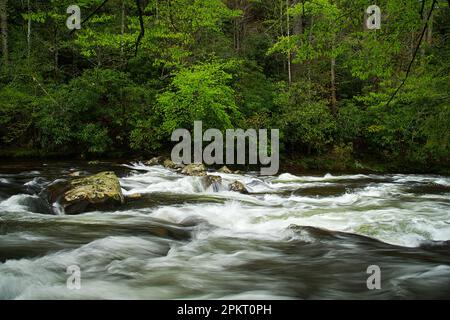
(408, 71)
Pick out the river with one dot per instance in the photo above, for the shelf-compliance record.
(292, 237)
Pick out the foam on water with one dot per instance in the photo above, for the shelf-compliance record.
(17, 203)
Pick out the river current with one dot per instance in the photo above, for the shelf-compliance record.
(294, 236)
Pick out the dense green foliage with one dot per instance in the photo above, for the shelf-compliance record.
(307, 67)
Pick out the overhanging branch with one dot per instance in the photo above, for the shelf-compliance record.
(408, 71)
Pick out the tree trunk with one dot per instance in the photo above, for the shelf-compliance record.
(4, 29)
(310, 40)
(430, 30)
(122, 28)
(282, 30)
(333, 80)
(29, 31)
(297, 28)
(56, 53)
(288, 27)
(237, 31)
(333, 86)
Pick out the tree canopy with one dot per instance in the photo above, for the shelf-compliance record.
(138, 69)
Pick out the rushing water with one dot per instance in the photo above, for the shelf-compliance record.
(293, 236)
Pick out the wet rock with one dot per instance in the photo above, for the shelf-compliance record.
(155, 161)
(238, 187)
(169, 164)
(97, 192)
(195, 169)
(134, 196)
(55, 190)
(322, 191)
(214, 181)
(224, 169)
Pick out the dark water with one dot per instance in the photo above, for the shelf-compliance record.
(292, 237)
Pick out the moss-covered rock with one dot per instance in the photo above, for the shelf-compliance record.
(169, 164)
(97, 192)
(194, 169)
(238, 187)
(214, 181)
(155, 161)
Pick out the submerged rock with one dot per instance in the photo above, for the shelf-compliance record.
(167, 163)
(195, 169)
(100, 191)
(134, 196)
(214, 181)
(238, 187)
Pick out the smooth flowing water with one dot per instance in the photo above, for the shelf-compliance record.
(292, 237)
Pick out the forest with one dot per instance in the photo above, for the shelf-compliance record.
(343, 96)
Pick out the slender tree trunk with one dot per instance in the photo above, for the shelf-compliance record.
(288, 27)
(122, 29)
(309, 61)
(297, 28)
(56, 53)
(430, 30)
(310, 40)
(281, 2)
(429, 34)
(4, 29)
(333, 86)
(29, 31)
(236, 33)
(333, 74)
(333, 80)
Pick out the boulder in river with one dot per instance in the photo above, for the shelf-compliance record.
(169, 164)
(214, 181)
(155, 161)
(100, 191)
(194, 169)
(238, 187)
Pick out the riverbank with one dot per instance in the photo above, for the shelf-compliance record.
(336, 161)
